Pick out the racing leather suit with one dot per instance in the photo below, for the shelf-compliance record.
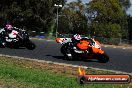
(6, 37)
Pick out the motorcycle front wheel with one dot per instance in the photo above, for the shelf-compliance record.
(30, 46)
(102, 58)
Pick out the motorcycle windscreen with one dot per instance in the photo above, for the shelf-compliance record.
(83, 45)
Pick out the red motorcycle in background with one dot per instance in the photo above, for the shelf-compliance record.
(84, 48)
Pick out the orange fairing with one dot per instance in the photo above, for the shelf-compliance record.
(59, 40)
(96, 50)
(83, 45)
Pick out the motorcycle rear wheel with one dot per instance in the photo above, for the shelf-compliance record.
(68, 53)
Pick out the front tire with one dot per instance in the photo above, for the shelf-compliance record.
(102, 58)
(30, 46)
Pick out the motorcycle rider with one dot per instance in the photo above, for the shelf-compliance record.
(8, 28)
(87, 42)
(3, 34)
(6, 33)
(76, 38)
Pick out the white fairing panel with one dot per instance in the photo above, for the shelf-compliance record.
(97, 45)
(13, 34)
(65, 40)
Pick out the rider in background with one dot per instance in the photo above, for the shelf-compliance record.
(8, 28)
(3, 33)
(7, 31)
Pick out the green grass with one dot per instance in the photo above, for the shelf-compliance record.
(16, 76)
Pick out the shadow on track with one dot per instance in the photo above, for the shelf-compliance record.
(80, 59)
(13, 47)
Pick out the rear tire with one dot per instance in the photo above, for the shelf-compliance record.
(68, 53)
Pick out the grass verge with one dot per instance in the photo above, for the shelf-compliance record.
(18, 73)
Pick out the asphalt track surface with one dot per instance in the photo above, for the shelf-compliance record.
(120, 59)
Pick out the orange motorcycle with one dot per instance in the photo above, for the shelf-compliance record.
(84, 48)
